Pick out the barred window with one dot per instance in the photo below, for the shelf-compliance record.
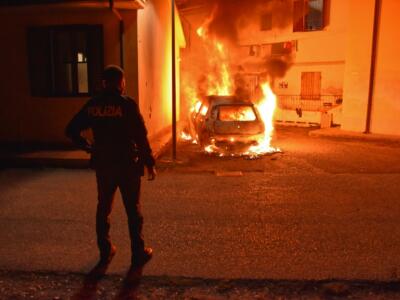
(309, 15)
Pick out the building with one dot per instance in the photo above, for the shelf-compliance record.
(310, 37)
(53, 53)
(372, 78)
(333, 67)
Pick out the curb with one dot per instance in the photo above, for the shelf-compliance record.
(55, 160)
(45, 162)
(337, 133)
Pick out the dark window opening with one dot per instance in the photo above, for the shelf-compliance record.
(309, 15)
(266, 22)
(65, 60)
(281, 48)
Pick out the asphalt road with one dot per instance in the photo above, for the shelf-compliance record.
(322, 209)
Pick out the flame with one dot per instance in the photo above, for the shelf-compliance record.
(266, 108)
(209, 149)
(220, 47)
(200, 31)
(190, 94)
(220, 83)
(196, 107)
(186, 136)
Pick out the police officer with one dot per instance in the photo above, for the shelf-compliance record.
(119, 152)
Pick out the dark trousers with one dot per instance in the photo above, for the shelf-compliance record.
(128, 182)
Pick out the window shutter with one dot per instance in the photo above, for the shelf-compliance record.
(95, 58)
(38, 43)
(311, 85)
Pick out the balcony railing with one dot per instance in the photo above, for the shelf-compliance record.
(309, 103)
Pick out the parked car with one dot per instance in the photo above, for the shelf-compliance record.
(227, 123)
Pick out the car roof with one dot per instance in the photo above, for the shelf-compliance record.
(227, 100)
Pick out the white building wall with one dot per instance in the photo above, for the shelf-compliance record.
(154, 55)
(357, 70)
(386, 100)
(155, 63)
(317, 51)
(332, 78)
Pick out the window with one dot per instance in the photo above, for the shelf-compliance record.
(266, 22)
(65, 60)
(230, 113)
(309, 15)
(281, 48)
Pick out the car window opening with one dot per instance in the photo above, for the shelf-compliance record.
(231, 113)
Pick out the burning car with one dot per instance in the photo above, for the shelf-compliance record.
(226, 124)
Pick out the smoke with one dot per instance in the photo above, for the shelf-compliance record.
(228, 22)
(231, 15)
(277, 67)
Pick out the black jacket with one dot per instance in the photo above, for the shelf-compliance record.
(120, 136)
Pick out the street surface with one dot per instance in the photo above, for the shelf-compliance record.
(322, 209)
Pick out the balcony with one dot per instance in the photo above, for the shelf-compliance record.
(316, 103)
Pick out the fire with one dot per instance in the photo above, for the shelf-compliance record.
(220, 47)
(186, 136)
(220, 83)
(266, 108)
(196, 107)
(200, 31)
(191, 95)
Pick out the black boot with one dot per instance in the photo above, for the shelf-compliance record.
(141, 259)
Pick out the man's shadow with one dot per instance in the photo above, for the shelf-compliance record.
(88, 290)
(128, 290)
(130, 285)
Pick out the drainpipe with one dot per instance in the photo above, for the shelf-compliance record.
(121, 32)
(375, 36)
(174, 135)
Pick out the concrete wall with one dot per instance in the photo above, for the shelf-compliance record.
(331, 81)
(24, 118)
(357, 70)
(386, 101)
(131, 66)
(155, 63)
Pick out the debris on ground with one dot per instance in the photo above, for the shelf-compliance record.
(59, 286)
